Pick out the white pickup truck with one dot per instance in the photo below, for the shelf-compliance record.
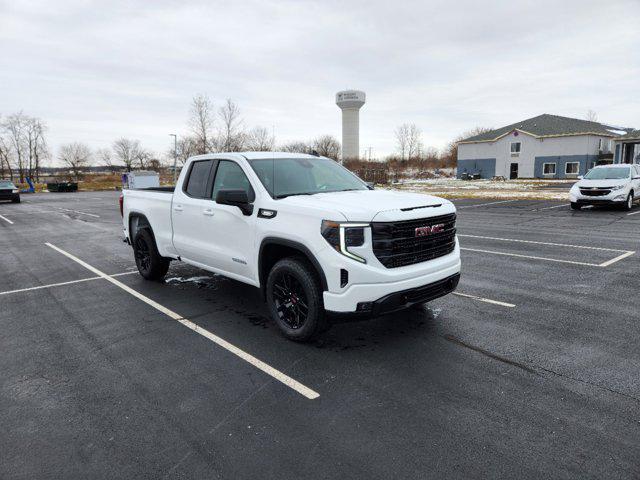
(305, 230)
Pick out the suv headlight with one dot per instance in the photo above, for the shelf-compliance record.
(617, 187)
(342, 235)
(15, 190)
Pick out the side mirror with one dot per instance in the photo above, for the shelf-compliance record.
(235, 198)
(580, 177)
(371, 185)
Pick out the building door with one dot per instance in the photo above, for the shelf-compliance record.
(513, 172)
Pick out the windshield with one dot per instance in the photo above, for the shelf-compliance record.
(607, 174)
(6, 184)
(283, 177)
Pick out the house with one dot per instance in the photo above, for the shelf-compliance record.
(627, 147)
(546, 146)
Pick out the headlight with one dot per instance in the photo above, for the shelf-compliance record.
(618, 187)
(342, 235)
(15, 190)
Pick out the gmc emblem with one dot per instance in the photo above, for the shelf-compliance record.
(425, 231)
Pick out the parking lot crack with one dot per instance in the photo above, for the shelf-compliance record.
(457, 341)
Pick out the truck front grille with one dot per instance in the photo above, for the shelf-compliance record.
(396, 244)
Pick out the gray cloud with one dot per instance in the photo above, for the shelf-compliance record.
(99, 70)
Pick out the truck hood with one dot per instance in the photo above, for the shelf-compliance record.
(381, 205)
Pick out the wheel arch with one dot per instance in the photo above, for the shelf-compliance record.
(273, 249)
(137, 221)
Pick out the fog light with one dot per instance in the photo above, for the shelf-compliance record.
(619, 198)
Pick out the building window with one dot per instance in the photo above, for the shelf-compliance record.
(571, 168)
(548, 168)
(515, 149)
(600, 144)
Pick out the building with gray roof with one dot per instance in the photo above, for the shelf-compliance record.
(546, 146)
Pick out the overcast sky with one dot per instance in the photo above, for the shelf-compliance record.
(96, 71)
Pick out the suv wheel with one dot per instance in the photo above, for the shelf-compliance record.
(575, 206)
(151, 265)
(629, 204)
(294, 296)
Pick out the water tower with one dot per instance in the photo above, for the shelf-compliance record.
(350, 102)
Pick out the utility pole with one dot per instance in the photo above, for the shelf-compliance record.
(175, 157)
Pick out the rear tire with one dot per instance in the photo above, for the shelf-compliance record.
(294, 297)
(629, 203)
(151, 265)
(575, 206)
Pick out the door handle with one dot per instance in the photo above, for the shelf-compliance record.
(177, 208)
(208, 212)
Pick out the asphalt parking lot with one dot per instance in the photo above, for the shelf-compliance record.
(530, 371)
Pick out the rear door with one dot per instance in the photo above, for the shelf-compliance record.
(192, 212)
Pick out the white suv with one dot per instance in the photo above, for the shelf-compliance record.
(607, 185)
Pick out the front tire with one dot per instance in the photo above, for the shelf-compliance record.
(295, 302)
(15, 200)
(575, 206)
(629, 203)
(151, 265)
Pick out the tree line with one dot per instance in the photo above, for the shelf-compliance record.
(24, 149)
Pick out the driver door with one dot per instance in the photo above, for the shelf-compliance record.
(231, 233)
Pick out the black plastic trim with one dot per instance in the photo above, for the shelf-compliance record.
(297, 246)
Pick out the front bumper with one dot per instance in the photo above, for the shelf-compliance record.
(9, 196)
(394, 295)
(616, 197)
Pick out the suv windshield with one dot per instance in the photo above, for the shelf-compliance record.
(607, 173)
(283, 177)
(6, 184)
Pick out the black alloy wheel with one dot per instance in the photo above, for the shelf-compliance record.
(290, 300)
(294, 297)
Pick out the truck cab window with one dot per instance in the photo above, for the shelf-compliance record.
(196, 185)
(230, 176)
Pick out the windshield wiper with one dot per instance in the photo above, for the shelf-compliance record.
(285, 195)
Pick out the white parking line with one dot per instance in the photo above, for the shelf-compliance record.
(50, 285)
(485, 300)
(572, 262)
(484, 204)
(259, 364)
(78, 212)
(549, 208)
(633, 213)
(6, 219)
(543, 243)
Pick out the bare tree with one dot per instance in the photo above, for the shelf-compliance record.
(450, 154)
(105, 158)
(76, 156)
(259, 139)
(143, 157)
(327, 146)
(591, 116)
(127, 151)
(186, 147)
(25, 139)
(6, 158)
(402, 140)
(231, 137)
(201, 122)
(296, 147)
(414, 142)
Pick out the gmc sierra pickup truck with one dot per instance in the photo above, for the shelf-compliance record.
(315, 238)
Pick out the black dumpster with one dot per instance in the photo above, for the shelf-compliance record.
(62, 187)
